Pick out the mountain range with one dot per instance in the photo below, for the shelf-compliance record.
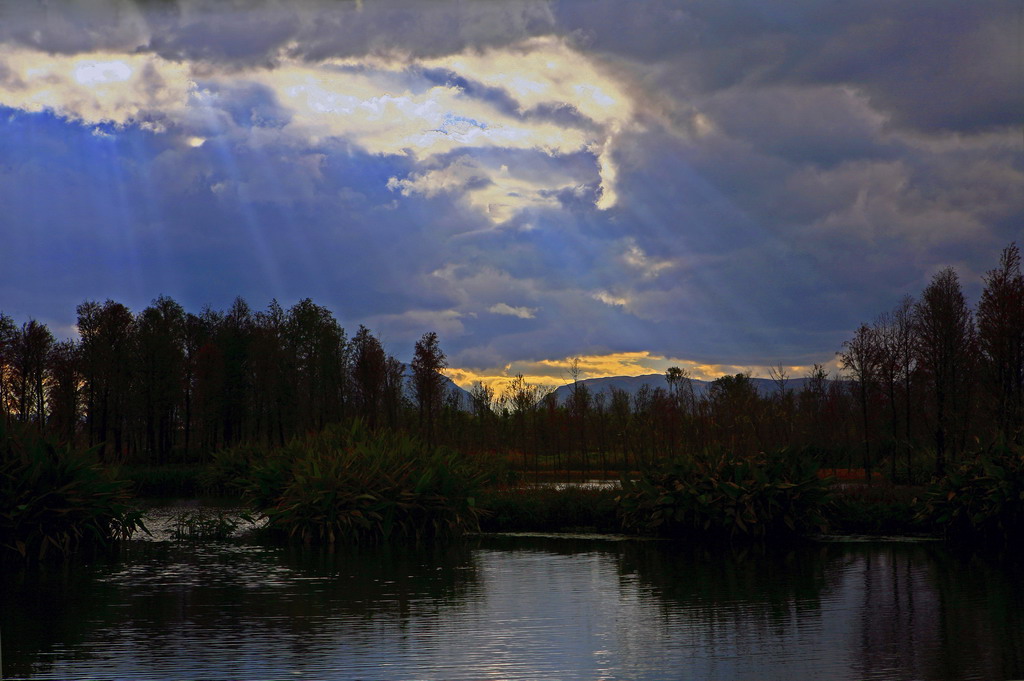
(632, 385)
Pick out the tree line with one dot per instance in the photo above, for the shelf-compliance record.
(924, 384)
(166, 385)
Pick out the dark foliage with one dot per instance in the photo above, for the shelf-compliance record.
(728, 496)
(54, 500)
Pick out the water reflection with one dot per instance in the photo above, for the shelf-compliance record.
(516, 608)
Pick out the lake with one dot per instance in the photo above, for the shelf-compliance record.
(516, 607)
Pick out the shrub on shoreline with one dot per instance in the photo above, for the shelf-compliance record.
(348, 484)
(728, 496)
(546, 509)
(54, 499)
(981, 499)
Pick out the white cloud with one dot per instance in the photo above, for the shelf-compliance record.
(385, 106)
(651, 267)
(494, 189)
(117, 88)
(506, 309)
(610, 299)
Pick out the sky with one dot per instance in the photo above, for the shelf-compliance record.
(723, 186)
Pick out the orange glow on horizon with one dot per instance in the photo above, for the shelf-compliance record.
(554, 373)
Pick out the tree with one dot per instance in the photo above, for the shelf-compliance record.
(860, 359)
(579, 407)
(895, 335)
(234, 340)
(428, 382)
(274, 408)
(944, 329)
(106, 333)
(734, 406)
(159, 359)
(316, 346)
(30, 353)
(1001, 342)
(394, 390)
(521, 398)
(8, 333)
(202, 379)
(65, 378)
(369, 367)
(680, 389)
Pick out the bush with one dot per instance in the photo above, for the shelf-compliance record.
(230, 471)
(880, 508)
(981, 499)
(728, 497)
(546, 509)
(54, 499)
(351, 485)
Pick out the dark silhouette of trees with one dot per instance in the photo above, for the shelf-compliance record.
(274, 409)
(369, 368)
(159, 363)
(580, 402)
(317, 348)
(64, 393)
(166, 386)
(735, 413)
(8, 334)
(1001, 343)
(428, 362)
(861, 360)
(29, 363)
(106, 349)
(895, 336)
(944, 329)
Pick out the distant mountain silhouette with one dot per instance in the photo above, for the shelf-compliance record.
(633, 384)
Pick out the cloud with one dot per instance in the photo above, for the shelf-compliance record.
(736, 184)
(385, 106)
(505, 309)
(610, 299)
(99, 87)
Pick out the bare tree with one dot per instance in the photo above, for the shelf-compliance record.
(945, 350)
(579, 407)
(1001, 342)
(64, 392)
(31, 351)
(8, 333)
(860, 359)
(895, 334)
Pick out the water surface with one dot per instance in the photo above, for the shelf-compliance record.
(516, 608)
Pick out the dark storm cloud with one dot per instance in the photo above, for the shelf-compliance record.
(945, 65)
